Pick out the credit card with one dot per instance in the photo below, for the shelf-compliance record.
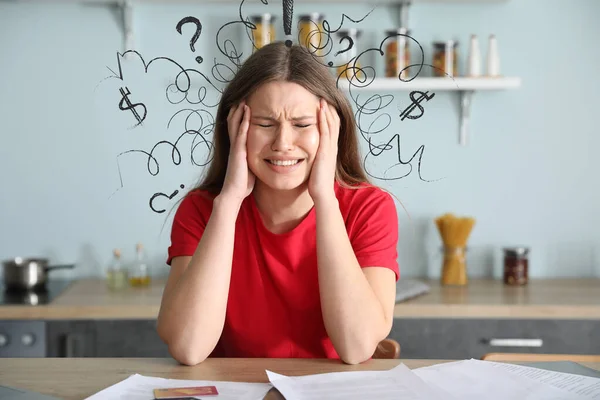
(183, 392)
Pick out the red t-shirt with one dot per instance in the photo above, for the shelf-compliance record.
(274, 309)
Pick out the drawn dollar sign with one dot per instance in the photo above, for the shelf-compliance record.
(416, 102)
(132, 107)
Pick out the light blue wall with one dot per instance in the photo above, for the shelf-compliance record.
(529, 174)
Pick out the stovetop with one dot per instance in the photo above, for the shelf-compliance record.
(33, 297)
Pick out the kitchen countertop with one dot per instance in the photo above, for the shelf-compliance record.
(78, 378)
(482, 298)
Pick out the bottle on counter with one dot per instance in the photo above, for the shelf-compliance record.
(116, 274)
(139, 275)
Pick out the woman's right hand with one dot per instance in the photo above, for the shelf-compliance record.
(239, 180)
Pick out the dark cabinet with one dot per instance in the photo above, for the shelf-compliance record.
(129, 338)
(104, 338)
(430, 338)
(76, 338)
(472, 338)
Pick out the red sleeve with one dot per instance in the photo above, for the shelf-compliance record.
(188, 225)
(375, 233)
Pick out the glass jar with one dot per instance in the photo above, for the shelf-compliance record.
(445, 58)
(397, 53)
(516, 265)
(311, 33)
(349, 67)
(139, 275)
(265, 30)
(454, 267)
(116, 274)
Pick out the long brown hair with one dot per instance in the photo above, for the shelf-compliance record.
(278, 62)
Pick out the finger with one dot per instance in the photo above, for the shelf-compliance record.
(233, 123)
(324, 128)
(244, 125)
(333, 122)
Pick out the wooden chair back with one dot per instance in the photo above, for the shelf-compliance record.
(387, 349)
(532, 357)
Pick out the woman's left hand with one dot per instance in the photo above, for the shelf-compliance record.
(322, 176)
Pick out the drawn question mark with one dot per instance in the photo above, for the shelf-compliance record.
(349, 47)
(155, 195)
(195, 21)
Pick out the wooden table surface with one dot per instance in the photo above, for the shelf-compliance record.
(78, 378)
(482, 298)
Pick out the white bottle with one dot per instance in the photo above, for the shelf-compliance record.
(493, 59)
(474, 59)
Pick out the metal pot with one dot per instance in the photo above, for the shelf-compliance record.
(28, 273)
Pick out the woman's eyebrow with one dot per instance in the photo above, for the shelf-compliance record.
(268, 118)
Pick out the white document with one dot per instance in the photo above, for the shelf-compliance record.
(477, 379)
(138, 387)
(396, 384)
(584, 387)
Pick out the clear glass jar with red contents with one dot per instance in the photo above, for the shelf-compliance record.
(516, 265)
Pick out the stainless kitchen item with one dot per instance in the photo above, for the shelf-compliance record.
(27, 273)
(38, 295)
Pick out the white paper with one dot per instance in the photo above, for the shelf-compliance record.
(476, 379)
(584, 387)
(138, 387)
(396, 384)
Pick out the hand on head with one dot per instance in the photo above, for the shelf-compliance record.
(322, 176)
(239, 180)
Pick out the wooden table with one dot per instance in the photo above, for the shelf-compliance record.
(482, 298)
(78, 378)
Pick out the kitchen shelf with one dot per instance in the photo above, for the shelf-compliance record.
(446, 84)
(464, 86)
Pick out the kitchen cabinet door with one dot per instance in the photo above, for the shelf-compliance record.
(75, 338)
(128, 338)
(472, 338)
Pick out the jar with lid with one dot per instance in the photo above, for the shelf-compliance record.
(445, 58)
(311, 33)
(265, 29)
(516, 265)
(116, 274)
(397, 53)
(139, 275)
(349, 67)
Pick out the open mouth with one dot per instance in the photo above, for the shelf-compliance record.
(284, 163)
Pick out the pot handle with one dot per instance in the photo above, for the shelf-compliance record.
(50, 267)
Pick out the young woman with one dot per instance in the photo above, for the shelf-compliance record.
(285, 249)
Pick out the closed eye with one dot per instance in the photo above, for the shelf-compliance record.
(303, 126)
(264, 125)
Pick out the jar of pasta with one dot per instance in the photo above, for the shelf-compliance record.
(445, 58)
(397, 53)
(265, 30)
(349, 67)
(311, 33)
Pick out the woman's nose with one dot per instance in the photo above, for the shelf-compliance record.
(284, 140)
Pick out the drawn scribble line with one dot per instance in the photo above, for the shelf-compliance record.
(371, 119)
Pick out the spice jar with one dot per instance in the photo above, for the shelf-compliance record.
(397, 53)
(350, 67)
(516, 265)
(265, 29)
(445, 58)
(311, 32)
